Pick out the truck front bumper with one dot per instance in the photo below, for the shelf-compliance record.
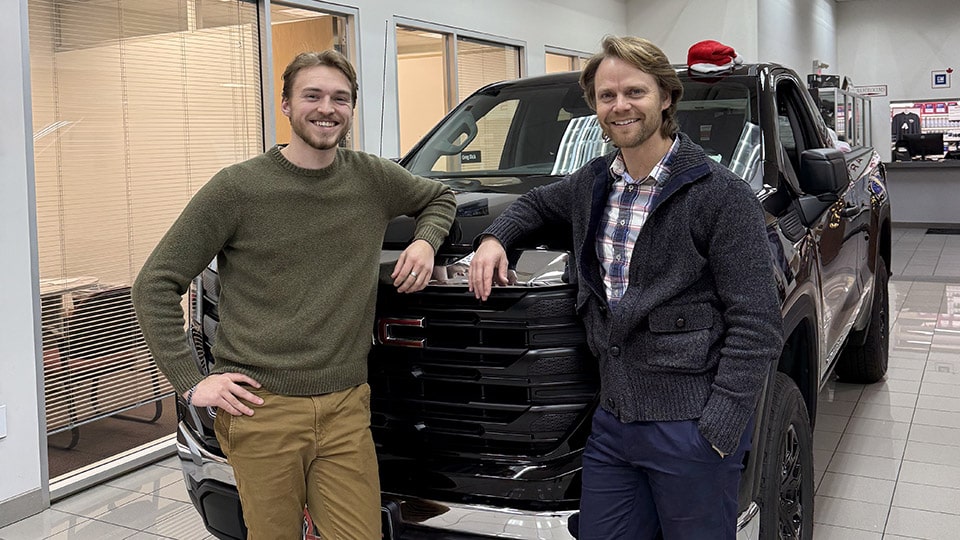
(210, 482)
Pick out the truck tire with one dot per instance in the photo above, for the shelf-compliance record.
(867, 363)
(786, 482)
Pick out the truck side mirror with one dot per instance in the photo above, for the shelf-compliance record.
(823, 176)
(823, 171)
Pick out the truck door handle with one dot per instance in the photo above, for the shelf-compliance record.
(851, 211)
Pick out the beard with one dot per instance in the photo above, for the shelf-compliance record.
(304, 129)
(639, 132)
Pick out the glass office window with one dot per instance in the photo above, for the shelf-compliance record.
(558, 62)
(846, 113)
(422, 82)
(480, 63)
(437, 69)
(136, 104)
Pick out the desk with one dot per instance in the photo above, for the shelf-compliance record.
(61, 286)
(56, 302)
(924, 192)
(96, 363)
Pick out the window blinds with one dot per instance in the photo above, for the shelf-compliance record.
(136, 104)
(480, 63)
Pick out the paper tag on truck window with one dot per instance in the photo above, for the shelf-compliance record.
(705, 131)
(472, 156)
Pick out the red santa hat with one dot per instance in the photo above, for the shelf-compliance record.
(711, 57)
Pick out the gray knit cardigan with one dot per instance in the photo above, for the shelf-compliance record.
(695, 333)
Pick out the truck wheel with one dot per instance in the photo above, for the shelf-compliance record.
(868, 363)
(786, 483)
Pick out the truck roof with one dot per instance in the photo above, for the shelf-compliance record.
(742, 70)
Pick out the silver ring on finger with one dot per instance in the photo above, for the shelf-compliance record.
(413, 274)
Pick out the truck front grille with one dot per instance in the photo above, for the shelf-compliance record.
(507, 377)
(510, 376)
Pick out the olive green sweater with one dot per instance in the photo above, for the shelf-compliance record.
(298, 257)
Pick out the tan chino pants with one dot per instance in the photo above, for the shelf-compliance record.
(313, 451)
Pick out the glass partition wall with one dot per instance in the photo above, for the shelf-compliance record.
(847, 113)
(136, 104)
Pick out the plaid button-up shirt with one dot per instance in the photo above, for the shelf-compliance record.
(628, 206)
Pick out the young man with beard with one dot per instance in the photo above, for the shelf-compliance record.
(678, 298)
(297, 234)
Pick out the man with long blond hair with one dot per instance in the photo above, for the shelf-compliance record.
(678, 298)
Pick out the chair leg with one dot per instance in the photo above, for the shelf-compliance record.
(158, 412)
(71, 409)
(74, 439)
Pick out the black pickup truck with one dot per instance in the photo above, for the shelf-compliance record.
(480, 410)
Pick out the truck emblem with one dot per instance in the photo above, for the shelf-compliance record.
(386, 325)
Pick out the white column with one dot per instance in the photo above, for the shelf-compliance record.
(23, 488)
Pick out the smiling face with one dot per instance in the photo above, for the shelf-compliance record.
(630, 104)
(320, 108)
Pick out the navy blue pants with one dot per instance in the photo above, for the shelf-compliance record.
(641, 478)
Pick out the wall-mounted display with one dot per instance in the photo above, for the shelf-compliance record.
(924, 130)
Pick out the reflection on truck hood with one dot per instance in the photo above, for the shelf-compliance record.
(479, 202)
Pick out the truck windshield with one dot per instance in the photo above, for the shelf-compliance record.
(504, 136)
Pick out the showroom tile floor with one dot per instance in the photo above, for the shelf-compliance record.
(887, 456)
(149, 503)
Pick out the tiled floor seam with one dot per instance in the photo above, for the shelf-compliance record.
(833, 453)
(903, 454)
(88, 519)
(851, 527)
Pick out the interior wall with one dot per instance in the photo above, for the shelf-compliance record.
(676, 25)
(789, 32)
(797, 32)
(898, 44)
(21, 453)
